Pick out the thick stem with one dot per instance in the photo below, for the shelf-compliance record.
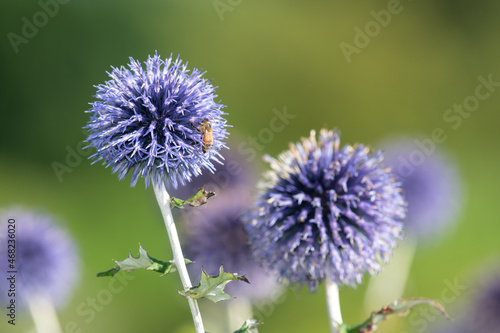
(333, 303)
(164, 202)
(44, 314)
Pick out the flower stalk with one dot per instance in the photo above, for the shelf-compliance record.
(164, 202)
(44, 314)
(333, 303)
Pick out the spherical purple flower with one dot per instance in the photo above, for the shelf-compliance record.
(325, 208)
(160, 121)
(214, 236)
(45, 261)
(430, 184)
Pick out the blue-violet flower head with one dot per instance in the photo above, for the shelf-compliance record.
(160, 122)
(431, 186)
(46, 259)
(325, 209)
(214, 236)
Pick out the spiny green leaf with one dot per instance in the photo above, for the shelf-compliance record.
(144, 261)
(249, 326)
(131, 263)
(400, 307)
(200, 198)
(212, 287)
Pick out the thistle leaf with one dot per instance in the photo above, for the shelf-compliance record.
(212, 287)
(144, 261)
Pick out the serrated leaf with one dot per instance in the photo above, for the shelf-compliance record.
(249, 326)
(144, 261)
(200, 198)
(131, 263)
(212, 287)
(400, 307)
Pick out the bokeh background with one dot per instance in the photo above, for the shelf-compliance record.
(263, 55)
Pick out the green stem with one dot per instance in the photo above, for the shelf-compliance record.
(164, 202)
(44, 314)
(333, 303)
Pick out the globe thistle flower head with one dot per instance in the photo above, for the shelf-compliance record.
(215, 236)
(159, 121)
(323, 208)
(46, 259)
(431, 187)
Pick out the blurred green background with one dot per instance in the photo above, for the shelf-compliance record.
(262, 55)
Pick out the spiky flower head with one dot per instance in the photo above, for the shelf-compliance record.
(215, 236)
(45, 261)
(159, 121)
(430, 183)
(323, 209)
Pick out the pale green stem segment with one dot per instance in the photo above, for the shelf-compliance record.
(44, 314)
(333, 303)
(164, 202)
